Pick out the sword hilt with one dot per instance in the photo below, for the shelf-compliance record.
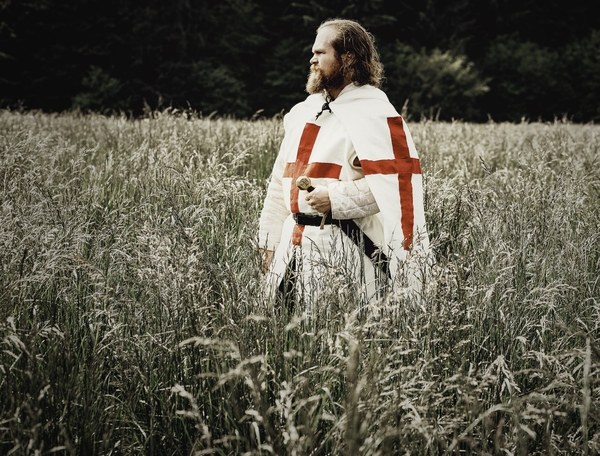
(303, 183)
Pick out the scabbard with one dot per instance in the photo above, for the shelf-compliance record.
(356, 235)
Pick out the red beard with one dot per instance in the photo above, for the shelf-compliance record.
(318, 81)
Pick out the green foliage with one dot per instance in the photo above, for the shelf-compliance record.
(238, 57)
(524, 74)
(286, 72)
(134, 320)
(583, 61)
(559, 81)
(102, 93)
(434, 84)
(217, 89)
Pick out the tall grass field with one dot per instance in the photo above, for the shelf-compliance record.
(134, 318)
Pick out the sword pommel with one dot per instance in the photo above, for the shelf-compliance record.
(303, 183)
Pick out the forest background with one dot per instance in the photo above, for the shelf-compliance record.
(504, 60)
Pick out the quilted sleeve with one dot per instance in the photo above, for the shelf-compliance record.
(274, 211)
(351, 199)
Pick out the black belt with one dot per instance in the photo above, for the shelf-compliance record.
(353, 231)
(314, 220)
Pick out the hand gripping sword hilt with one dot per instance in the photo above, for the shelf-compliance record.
(303, 183)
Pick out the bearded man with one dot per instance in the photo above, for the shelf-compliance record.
(360, 212)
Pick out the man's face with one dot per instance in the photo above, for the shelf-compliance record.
(325, 65)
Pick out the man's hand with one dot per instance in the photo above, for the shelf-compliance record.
(267, 257)
(318, 199)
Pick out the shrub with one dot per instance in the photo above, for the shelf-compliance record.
(437, 84)
(524, 75)
(583, 60)
(102, 93)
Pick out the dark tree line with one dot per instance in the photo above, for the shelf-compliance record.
(465, 59)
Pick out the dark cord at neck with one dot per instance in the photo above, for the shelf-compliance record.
(328, 99)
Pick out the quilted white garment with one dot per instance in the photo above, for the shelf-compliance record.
(352, 199)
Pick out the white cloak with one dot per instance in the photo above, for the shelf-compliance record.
(389, 209)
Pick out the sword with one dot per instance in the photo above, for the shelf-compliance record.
(303, 183)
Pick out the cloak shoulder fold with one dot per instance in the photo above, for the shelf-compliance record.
(391, 166)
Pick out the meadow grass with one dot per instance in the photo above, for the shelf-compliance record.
(134, 320)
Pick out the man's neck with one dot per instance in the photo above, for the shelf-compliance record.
(333, 93)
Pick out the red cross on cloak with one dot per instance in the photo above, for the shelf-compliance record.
(301, 167)
(405, 166)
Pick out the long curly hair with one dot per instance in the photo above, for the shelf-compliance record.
(363, 66)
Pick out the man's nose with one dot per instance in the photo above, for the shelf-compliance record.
(313, 60)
